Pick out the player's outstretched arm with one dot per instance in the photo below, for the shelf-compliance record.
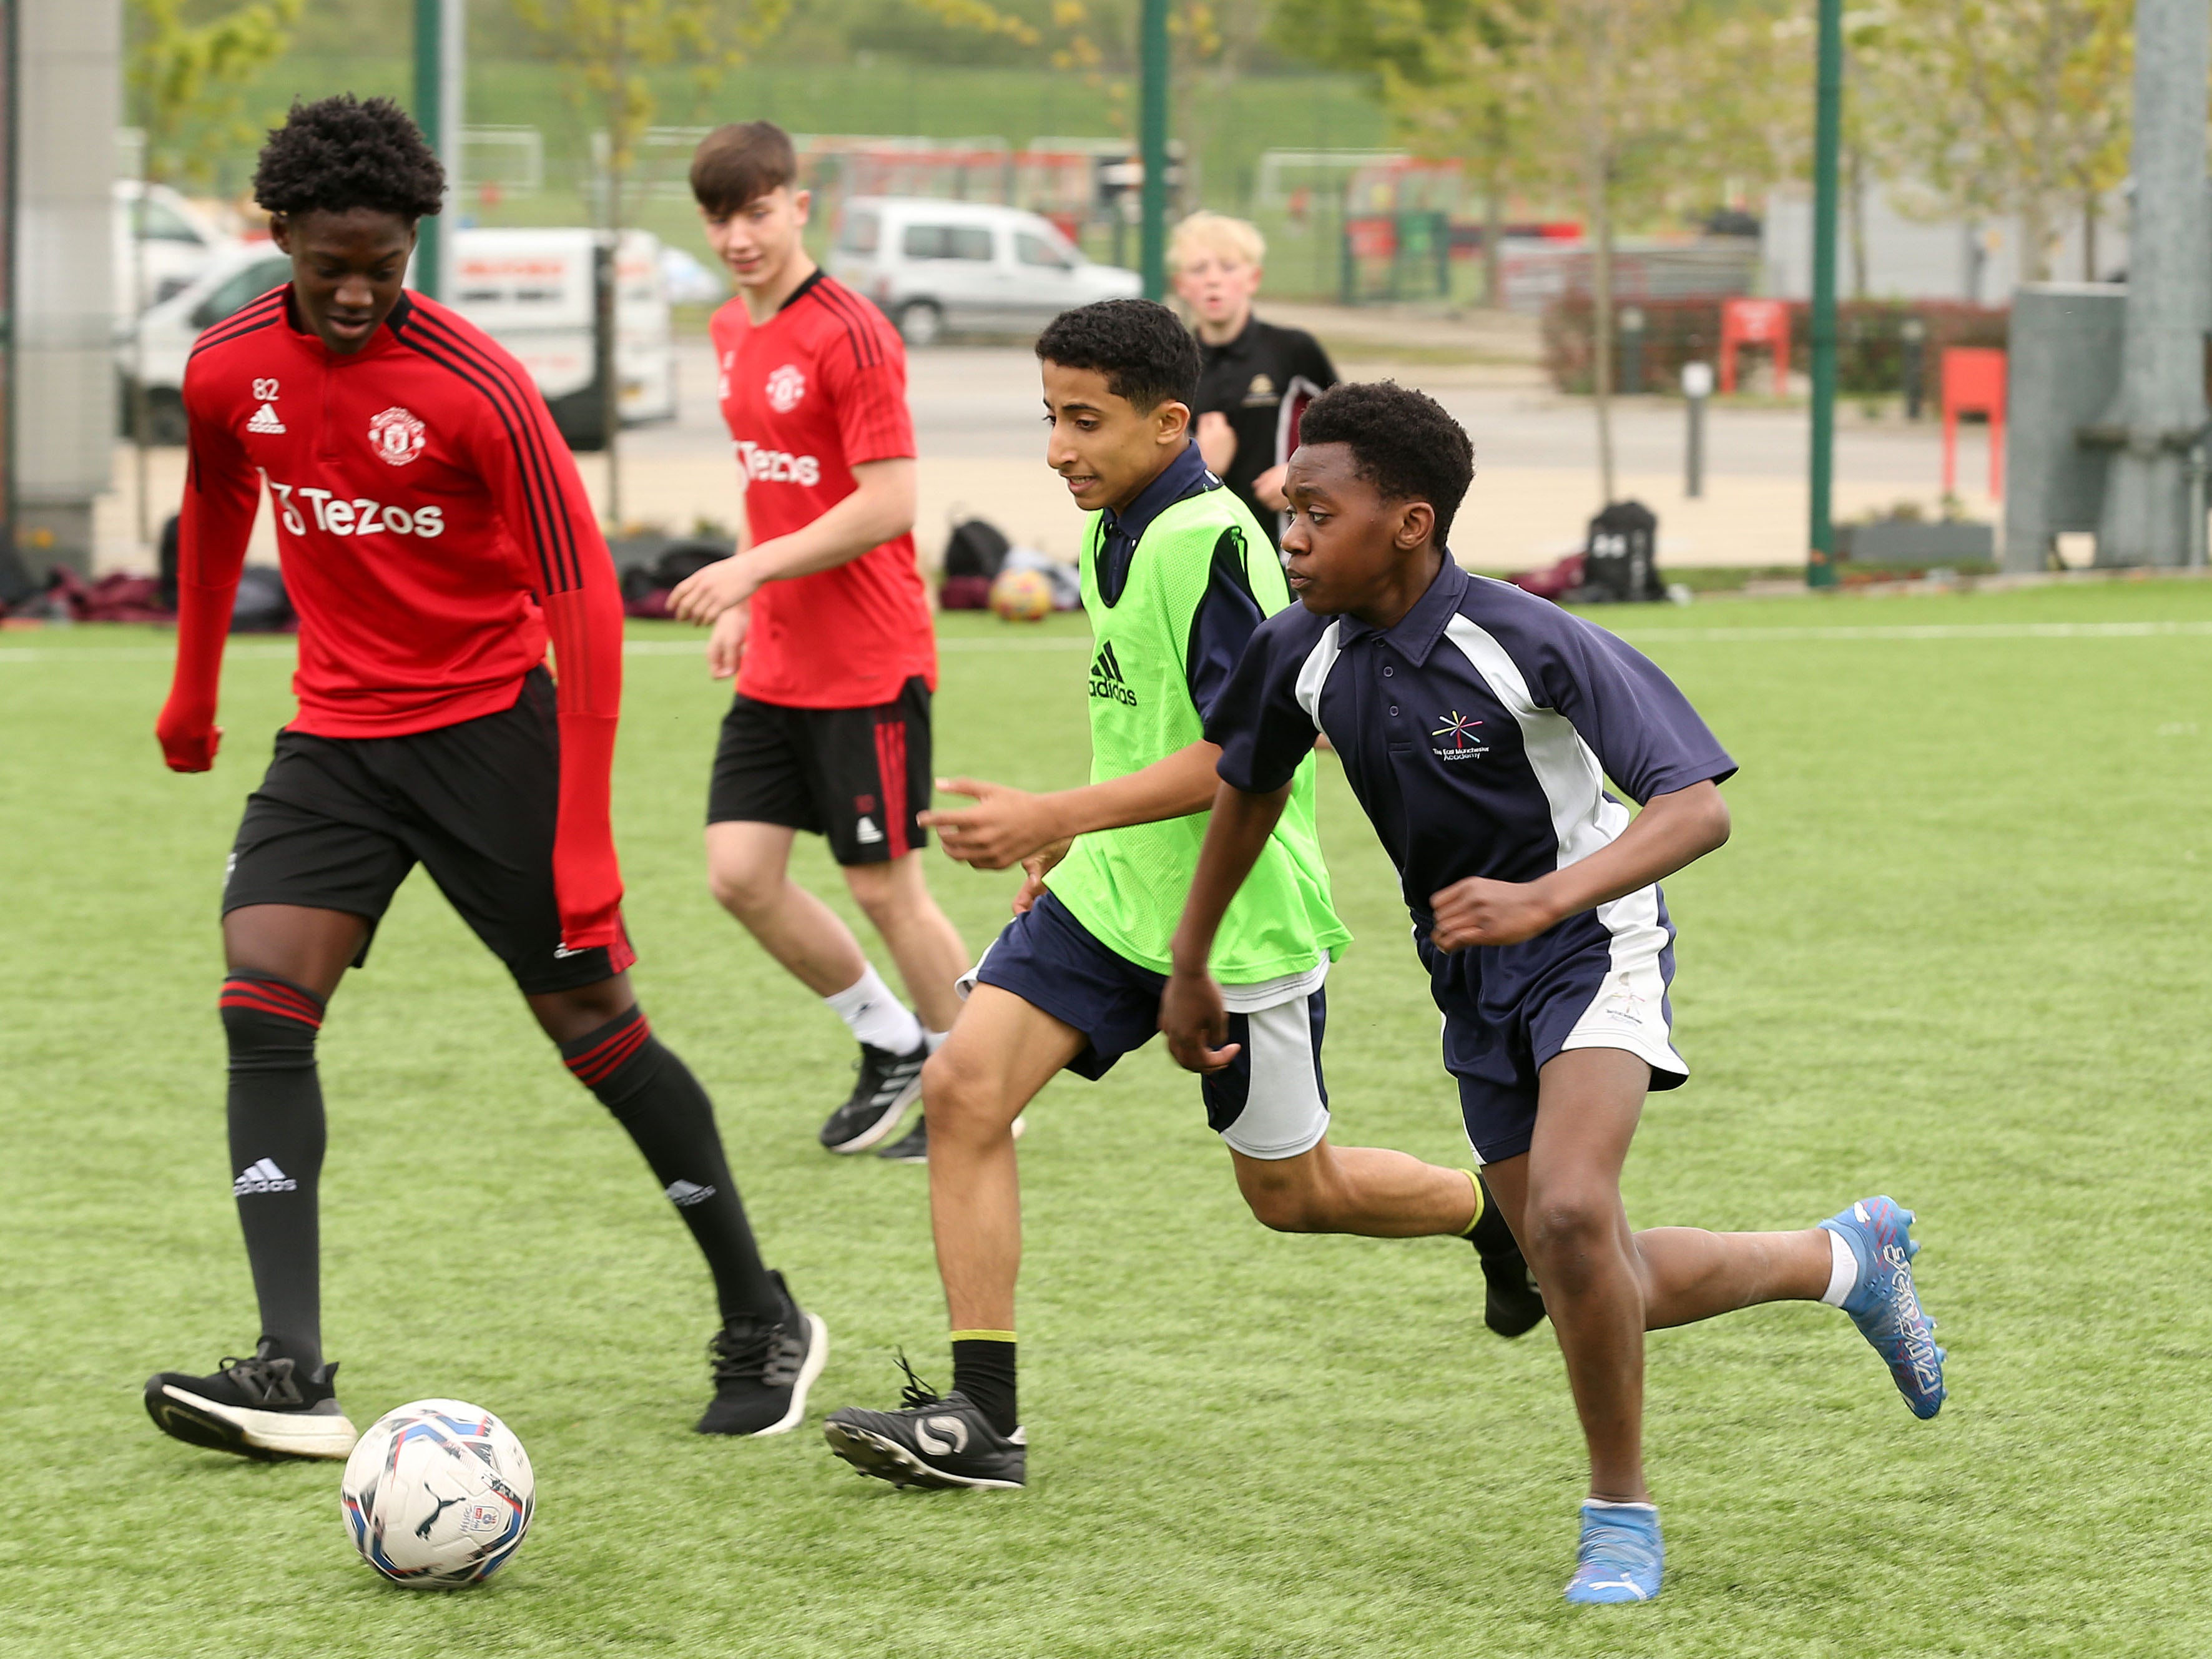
(1191, 1014)
(1672, 831)
(1006, 826)
(880, 509)
(222, 492)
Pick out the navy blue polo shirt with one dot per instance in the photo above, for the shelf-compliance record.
(1478, 733)
(1229, 611)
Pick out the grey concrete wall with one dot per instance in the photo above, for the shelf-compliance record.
(2065, 349)
(71, 88)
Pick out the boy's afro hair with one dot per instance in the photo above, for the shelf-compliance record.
(1402, 441)
(338, 154)
(1145, 353)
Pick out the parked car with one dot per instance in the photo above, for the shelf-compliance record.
(937, 267)
(176, 242)
(529, 289)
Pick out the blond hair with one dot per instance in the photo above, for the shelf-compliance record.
(1218, 234)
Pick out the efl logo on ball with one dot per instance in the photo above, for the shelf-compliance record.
(784, 388)
(396, 436)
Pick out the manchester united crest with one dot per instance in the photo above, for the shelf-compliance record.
(396, 436)
(784, 388)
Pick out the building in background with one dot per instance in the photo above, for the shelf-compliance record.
(62, 375)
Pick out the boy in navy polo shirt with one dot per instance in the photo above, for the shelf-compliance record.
(1477, 725)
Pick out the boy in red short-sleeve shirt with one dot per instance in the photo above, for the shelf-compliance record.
(822, 617)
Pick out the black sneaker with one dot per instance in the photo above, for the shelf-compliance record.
(265, 1407)
(932, 1441)
(887, 1085)
(762, 1372)
(913, 1147)
(1512, 1305)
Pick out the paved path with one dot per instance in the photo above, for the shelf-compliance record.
(979, 426)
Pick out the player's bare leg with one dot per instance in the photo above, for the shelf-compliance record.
(748, 867)
(1000, 1053)
(1366, 1190)
(1604, 1285)
(308, 946)
(895, 897)
(748, 870)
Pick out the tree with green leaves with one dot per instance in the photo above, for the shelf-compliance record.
(2001, 107)
(1644, 109)
(607, 49)
(185, 71)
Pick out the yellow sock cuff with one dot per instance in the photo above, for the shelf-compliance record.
(983, 1336)
(1475, 1220)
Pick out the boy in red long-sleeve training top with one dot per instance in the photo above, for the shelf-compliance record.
(435, 537)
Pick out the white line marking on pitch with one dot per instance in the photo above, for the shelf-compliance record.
(2116, 630)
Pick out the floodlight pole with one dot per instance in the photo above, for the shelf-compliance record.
(441, 35)
(1154, 142)
(1827, 145)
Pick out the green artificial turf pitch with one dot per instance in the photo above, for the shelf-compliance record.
(1955, 953)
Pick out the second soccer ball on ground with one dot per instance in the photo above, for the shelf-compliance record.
(1021, 596)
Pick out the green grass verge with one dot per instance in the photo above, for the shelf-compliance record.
(1955, 952)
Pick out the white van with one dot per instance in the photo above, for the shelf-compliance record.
(176, 241)
(936, 266)
(529, 289)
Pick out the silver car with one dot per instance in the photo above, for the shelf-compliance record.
(937, 267)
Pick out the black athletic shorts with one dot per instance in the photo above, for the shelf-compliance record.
(857, 775)
(337, 822)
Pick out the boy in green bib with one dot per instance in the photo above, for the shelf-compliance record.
(1176, 577)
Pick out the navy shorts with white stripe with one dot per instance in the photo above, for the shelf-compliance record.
(1478, 733)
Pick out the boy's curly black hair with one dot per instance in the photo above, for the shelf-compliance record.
(1144, 352)
(338, 154)
(1402, 441)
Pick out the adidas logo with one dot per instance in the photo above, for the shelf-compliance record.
(867, 835)
(1106, 678)
(264, 419)
(262, 1176)
(684, 1193)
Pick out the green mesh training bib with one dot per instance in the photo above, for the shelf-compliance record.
(1127, 886)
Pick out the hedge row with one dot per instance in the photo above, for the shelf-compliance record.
(1871, 342)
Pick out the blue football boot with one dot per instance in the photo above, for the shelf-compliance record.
(1884, 1303)
(1621, 1558)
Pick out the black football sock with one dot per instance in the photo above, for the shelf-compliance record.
(277, 1152)
(983, 1369)
(1488, 1231)
(654, 1094)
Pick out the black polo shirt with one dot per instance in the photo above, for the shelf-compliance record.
(1478, 733)
(1261, 380)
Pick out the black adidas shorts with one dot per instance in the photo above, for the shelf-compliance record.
(857, 775)
(337, 822)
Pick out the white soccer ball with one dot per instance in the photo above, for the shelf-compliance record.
(438, 1495)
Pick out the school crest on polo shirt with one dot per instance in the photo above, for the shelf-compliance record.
(397, 437)
(1261, 393)
(785, 386)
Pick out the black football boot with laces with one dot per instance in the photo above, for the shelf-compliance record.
(762, 1369)
(1512, 1305)
(888, 1083)
(912, 1147)
(263, 1408)
(932, 1440)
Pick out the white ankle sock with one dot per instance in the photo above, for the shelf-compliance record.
(1844, 1270)
(936, 1038)
(875, 1016)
